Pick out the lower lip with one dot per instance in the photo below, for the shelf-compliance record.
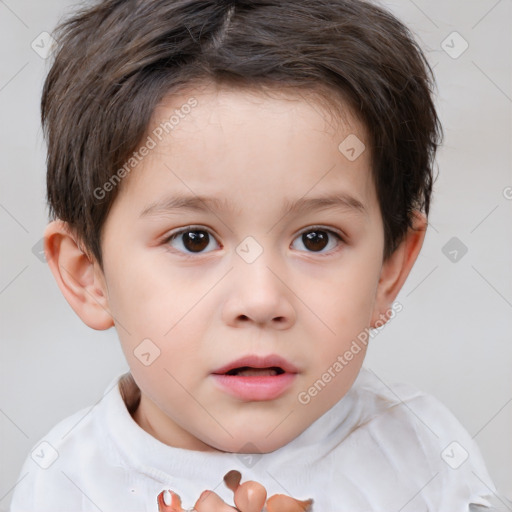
(267, 387)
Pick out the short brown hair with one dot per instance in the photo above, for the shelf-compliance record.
(116, 60)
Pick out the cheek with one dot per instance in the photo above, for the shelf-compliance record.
(162, 339)
(148, 295)
(343, 298)
(159, 305)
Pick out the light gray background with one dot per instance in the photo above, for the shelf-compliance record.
(453, 338)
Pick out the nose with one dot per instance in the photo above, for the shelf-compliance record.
(258, 294)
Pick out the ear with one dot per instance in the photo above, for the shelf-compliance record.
(78, 276)
(396, 268)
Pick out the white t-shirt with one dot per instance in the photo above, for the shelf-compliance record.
(378, 449)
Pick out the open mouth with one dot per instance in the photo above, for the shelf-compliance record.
(256, 383)
(247, 371)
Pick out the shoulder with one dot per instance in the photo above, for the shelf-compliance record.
(387, 398)
(392, 408)
(53, 471)
(419, 436)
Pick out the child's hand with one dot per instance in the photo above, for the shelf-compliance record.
(248, 497)
(207, 502)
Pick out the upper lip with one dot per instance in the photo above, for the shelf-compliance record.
(255, 361)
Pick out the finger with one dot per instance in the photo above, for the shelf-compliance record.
(283, 503)
(232, 479)
(211, 502)
(169, 501)
(250, 496)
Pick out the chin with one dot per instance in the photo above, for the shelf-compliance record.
(259, 442)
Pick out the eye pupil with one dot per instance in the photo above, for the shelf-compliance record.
(196, 241)
(315, 240)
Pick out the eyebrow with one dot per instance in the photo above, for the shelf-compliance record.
(340, 200)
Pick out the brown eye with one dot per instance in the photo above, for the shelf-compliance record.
(196, 241)
(316, 240)
(190, 240)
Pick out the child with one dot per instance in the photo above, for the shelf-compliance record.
(241, 189)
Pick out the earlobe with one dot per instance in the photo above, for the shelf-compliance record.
(396, 269)
(79, 277)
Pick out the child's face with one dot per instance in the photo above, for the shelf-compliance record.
(209, 298)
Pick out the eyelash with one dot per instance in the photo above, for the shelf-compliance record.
(189, 255)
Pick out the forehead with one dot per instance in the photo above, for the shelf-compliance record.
(220, 140)
(329, 104)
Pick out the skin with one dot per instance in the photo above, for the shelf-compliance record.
(249, 496)
(203, 310)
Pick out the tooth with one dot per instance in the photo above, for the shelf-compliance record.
(257, 372)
